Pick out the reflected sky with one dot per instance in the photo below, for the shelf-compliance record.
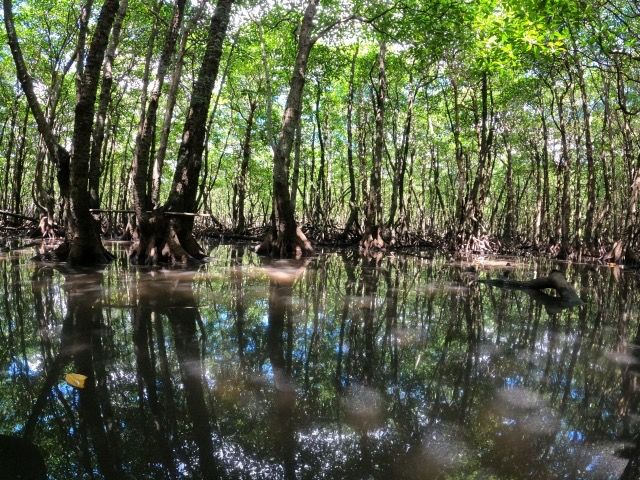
(335, 367)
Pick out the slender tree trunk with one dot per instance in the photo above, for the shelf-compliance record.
(537, 224)
(604, 228)
(82, 233)
(142, 153)
(285, 238)
(372, 238)
(546, 195)
(473, 211)
(81, 46)
(18, 170)
(402, 159)
(589, 239)
(564, 177)
(352, 227)
(241, 185)
(8, 154)
(172, 95)
(321, 194)
(104, 100)
(508, 232)
(295, 176)
(171, 239)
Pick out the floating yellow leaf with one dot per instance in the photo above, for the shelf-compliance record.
(75, 379)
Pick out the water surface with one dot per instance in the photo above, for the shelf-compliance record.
(337, 367)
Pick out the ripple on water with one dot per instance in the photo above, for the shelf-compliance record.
(519, 399)
(443, 449)
(364, 406)
(623, 358)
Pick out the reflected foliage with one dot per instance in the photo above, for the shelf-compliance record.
(339, 367)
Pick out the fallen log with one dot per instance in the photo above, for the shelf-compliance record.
(567, 295)
(19, 215)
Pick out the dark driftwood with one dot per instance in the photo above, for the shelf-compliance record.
(567, 296)
(18, 215)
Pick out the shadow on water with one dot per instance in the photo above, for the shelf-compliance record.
(335, 367)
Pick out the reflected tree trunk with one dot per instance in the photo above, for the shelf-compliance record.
(285, 395)
(183, 317)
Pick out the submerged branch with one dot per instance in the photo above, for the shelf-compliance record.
(567, 295)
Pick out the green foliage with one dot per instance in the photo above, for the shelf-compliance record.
(529, 52)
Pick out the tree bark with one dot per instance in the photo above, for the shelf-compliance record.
(9, 153)
(56, 152)
(286, 238)
(509, 227)
(401, 161)
(104, 100)
(321, 193)
(241, 185)
(352, 227)
(564, 176)
(472, 220)
(295, 175)
(589, 239)
(163, 239)
(18, 170)
(372, 237)
(158, 163)
(85, 246)
(141, 201)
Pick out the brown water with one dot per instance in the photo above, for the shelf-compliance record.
(335, 368)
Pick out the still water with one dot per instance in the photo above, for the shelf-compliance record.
(337, 367)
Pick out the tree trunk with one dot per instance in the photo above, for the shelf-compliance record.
(163, 238)
(372, 237)
(141, 201)
(286, 238)
(85, 246)
(589, 239)
(321, 195)
(103, 105)
(402, 159)
(241, 185)
(454, 120)
(472, 220)
(158, 163)
(295, 176)
(603, 229)
(625, 248)
(509, 220)
(9, 153)
(352, 227)
(546, 197)
(18, 170)
(564, 176)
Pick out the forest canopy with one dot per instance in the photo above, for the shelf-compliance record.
(475, 125)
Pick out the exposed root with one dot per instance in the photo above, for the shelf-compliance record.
(372, 242)
(282, 247)
(76, 253)
(161, 240)
(616, 254)
(48, 229)
(481, 244)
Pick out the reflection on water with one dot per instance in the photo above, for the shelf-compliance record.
(336, 367)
